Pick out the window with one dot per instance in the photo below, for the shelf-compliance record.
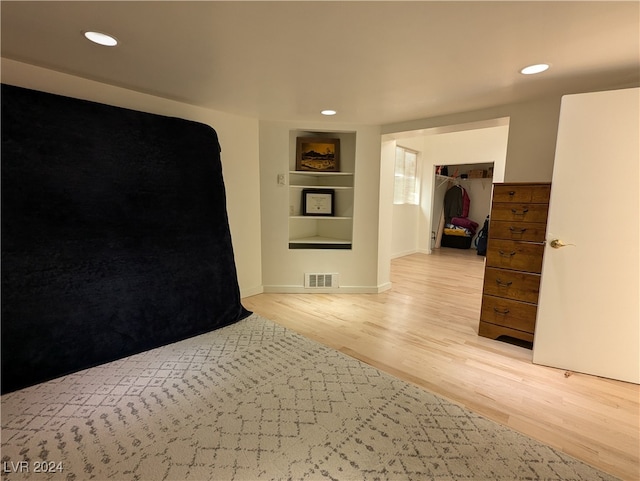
(406, 178)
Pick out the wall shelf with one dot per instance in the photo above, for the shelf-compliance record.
(312, 217)
(309, 186)
(323, 232)
(320, 174)
(319, 242)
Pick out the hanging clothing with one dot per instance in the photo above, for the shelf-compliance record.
(453, 203)
(466, 203)
(459, 230)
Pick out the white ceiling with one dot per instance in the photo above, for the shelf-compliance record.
(374, 62)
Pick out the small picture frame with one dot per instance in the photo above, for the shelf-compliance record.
(318, 154)
(318, 202)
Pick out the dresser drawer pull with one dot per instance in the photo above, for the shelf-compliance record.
(517, 231)
(502, 283)
(512, 193)
(522, 212)
(503, 311)
(504, 254)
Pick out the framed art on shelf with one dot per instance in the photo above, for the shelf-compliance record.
(318, 202)
(318, 154)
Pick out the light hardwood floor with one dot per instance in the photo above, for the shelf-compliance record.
(424, 330)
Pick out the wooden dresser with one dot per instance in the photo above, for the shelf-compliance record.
(517, 228)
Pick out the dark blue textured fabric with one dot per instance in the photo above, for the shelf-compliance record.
(115, 237)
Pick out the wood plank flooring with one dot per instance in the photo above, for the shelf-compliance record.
(424, 330)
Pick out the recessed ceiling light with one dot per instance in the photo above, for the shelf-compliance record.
(101, 39)
(328, 112)
(533, 69)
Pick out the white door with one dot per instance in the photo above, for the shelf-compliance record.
(589, 307)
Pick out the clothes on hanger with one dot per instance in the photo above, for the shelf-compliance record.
(456, 203)
(458, 229)
(466, 202)
(453, 203)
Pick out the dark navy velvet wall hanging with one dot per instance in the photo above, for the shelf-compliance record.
(115, 237)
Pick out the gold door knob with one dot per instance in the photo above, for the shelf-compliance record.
(557, 243)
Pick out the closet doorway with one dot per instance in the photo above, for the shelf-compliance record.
(461, 203)
(464, 147)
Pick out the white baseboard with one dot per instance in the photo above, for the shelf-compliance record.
(251, 292)
(330, 290)
(402, 254)
(408, 253)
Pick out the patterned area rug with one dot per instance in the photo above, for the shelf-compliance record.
(255, 401)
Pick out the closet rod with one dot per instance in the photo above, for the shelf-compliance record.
(457, 179)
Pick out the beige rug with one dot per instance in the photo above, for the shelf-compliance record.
(255, 401)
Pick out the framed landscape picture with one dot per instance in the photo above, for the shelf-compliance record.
(318, 154)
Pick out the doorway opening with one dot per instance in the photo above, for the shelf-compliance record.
(462, 148)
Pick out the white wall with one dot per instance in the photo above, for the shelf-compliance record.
(284, 268)
(533, 127)
(238, 137)
(404, 230)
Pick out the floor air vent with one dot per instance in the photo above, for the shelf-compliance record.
(316, 281)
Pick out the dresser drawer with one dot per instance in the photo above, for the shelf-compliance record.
(520, 231)
(522, 193)
(520, 212)
(514, 285)
(520, 256)
(493, 331)
(505, 312)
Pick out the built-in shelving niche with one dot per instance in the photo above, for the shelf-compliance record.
(323, 232)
